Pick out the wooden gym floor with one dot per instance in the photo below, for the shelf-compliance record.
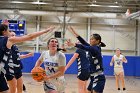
(132, 84)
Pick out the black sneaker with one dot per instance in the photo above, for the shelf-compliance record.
(119, 89)
(24, 88)
(124, 89)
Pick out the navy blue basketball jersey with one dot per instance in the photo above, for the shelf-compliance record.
(95, 58)
(82, 61)
(16, 57)
(6, 62)
(97, 78)
(94, 55)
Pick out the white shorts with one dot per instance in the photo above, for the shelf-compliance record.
(118, 70)
(55, 84)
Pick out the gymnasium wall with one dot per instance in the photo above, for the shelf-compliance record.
(116, 33)
(132, 68)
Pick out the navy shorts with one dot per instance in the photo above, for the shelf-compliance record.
(84, 74)
(17, 75)
(3, 83)
(97, 84)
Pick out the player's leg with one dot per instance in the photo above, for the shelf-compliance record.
(12, 82)
(81, 86)
(19, 85)
(117, 82)
(122, 80)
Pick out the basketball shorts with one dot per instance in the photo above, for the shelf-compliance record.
(83, 74)
(57, 84)
(118, 70)
(3, 83)
(97, 84)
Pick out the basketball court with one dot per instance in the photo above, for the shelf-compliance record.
(116, 21)
(132, 84)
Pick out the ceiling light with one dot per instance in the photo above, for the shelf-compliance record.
(94, 5)
(113, 6)
(18, 2)
(39, 3)
(116, 2)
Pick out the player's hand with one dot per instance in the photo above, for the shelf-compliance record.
(69, 43)
(73, 31)
(5, 22)
(111, 64)
(46, 78)
(31, 54)
(51, 28)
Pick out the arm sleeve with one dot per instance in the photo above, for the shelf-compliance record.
(62, 60)
(77, 51)
(93, 49)
(83, 41)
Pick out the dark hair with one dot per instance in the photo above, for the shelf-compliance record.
(3, 27)
(61, 49)
(98, 37)
(58, 49)
(51, 39)
(119, 49)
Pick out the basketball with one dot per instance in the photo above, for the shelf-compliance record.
(38, 73)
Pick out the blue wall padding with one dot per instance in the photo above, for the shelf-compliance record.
(137, 66)
(132, 68)
(29, 63)
(73, 68)
(106, 64)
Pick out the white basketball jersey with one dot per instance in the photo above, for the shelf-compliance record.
(52, 63)
(118, 61)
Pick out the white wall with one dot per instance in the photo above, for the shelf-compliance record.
(138, 40)
(116, 33)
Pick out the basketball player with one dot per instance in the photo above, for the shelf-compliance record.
(16, 81)
(97, 78)
(54, 63)
(83, 69)
(6, 43)
(118, 61)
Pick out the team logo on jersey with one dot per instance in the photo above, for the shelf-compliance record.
(118, 62)
(51, 64)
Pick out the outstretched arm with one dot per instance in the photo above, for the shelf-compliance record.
(93, 49)
(78, 36)
(71, 60)
(13, 40)
(26, 55)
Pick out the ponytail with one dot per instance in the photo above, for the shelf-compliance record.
(101, 44)
(61, 49)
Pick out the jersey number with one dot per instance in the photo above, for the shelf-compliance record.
(51, 70)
